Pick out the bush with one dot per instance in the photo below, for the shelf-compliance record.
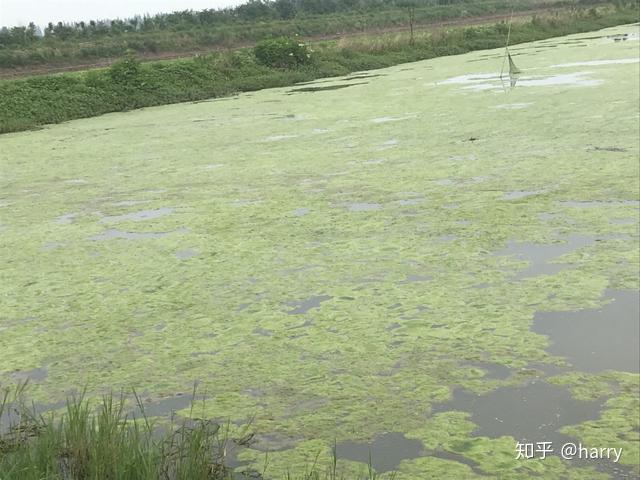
(282, 52)
(126, 71)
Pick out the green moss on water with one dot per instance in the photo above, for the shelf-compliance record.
(382, 350)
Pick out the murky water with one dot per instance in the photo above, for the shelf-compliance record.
(140, 216)
(533, 412)
(323, 89)
(346, 261)
(594, 340)
(167, 406)
(186, 254)
(385, 452)
(540, 257)
(362, 207)
(113, 233)
(517, 195)
(303, 306)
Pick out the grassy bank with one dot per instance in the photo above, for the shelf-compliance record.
(128, 85)
(98, 442)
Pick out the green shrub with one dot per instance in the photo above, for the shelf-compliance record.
(282, 52)
(125, 71)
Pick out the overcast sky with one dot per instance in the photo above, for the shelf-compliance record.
(41, 12)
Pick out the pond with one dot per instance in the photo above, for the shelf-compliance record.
(421, 264)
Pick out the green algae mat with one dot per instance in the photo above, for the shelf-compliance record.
(426, 262)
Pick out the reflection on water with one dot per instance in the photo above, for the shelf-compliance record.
(493, 81)
(600, 339)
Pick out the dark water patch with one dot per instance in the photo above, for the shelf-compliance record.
(186, 254)
(545, 369)
(539, 255)
(34, 375)
(410, 201)
(608, 149)
(322, 89)
(548, 217)
(138, 216)
(386, 451)
(66, 219)
(362, 207)
(368, 75)
(624, 221)
(13, 413)
(517, 195)
(263, 332)
(303, 306)
(593, 340)
(112, 234)
(274, 442)
(46, 246)
(243, 306)
(301, 212)
(166, 406)
(533, 412)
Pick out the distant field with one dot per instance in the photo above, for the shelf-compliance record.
(358, 259)
(184, 34)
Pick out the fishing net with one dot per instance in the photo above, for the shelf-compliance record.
(513, 69)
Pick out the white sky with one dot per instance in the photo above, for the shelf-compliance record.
(41, 12)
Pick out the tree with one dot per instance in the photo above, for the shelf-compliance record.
(410, 5)
(286, 9)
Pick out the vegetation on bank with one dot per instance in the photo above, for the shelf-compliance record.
(98, 442)
(190, 31)
(128, 84)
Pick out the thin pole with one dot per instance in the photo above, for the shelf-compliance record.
(506, 48)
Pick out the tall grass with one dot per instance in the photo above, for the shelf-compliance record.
(102, 442)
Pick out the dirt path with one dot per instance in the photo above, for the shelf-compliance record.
(31, 70)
